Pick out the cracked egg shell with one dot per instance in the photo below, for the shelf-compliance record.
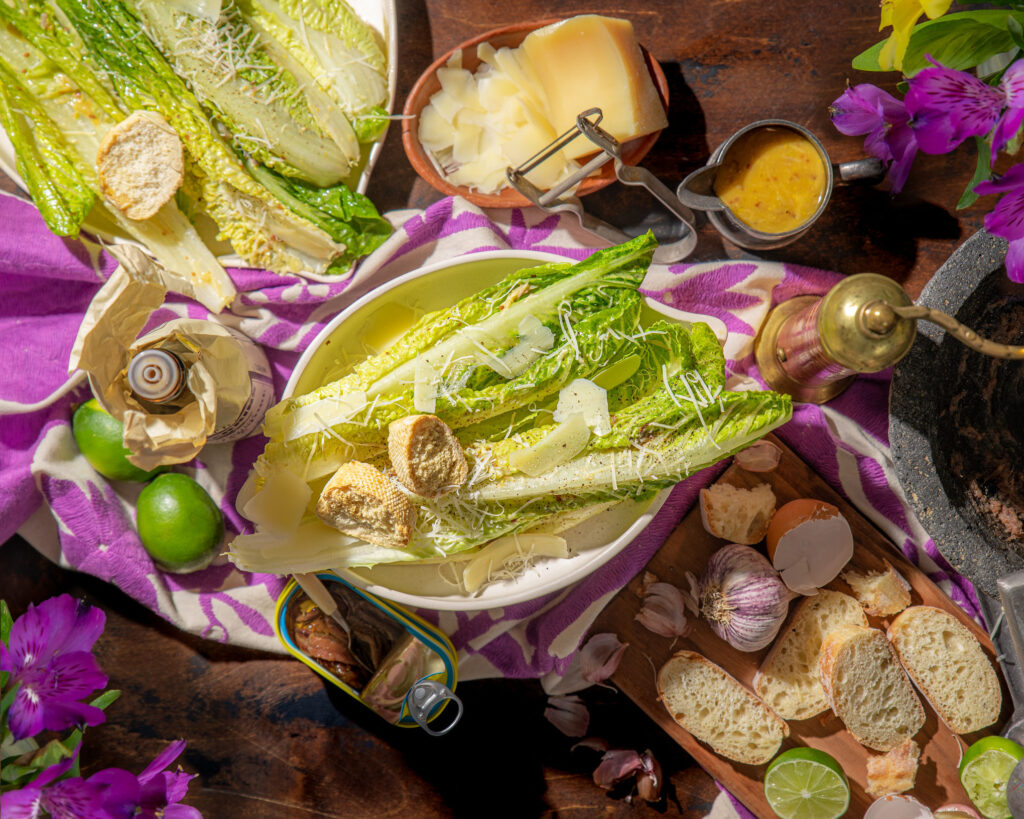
(809, 542)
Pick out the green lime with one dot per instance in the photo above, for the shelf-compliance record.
(179, 524)
(804, 783)
(985, 771)
(99, 436)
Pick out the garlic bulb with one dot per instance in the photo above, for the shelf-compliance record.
(742, 597)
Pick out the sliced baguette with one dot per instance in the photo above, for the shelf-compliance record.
(788, 679)
(716, 709)
(140, 164)
(426, 455)
(948, 664)
(868, 689)
(361, 501)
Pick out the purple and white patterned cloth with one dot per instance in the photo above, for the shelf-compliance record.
(75, 517)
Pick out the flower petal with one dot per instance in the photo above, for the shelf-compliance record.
(25, 719)
(615, 766)
(120, 792)
(1015, 261)
(163, 759)
(1007, 218)
(1011, 180)
(62, 714)
(865, 108)
(74, 624)
(73, 799)
(1006, 129)
(903, 143)
(21, 804)
(177, 785)
(181, 812)
(949, 106)
(600, 657)
(30, 637)
(568, 714)
(72, 676)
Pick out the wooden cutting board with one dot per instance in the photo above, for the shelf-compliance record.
(687, 549)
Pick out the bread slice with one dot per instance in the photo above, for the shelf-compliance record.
(895, 771)
(868, 689)
(882, 594)
(361, 501)
(949, 666)
(426, 456)
(736, 514)
(788, 678)
(140, 164)
(716, 709)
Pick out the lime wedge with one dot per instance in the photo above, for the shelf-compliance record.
(804, 783)
(985, 772)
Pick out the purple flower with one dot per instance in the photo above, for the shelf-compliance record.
(153, 793)
(1007, 218)
(69, 799)
(950, 106)
(50, 659)
(867, 110)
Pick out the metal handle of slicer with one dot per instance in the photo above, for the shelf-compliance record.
(427, 695)
(555, 200)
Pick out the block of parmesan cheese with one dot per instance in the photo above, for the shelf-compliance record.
(591, 61)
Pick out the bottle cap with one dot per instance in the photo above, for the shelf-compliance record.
(156, 375)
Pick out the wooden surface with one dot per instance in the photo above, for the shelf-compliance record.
(687, 550)
(265, 736)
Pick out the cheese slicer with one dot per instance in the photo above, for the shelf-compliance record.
(559, 199)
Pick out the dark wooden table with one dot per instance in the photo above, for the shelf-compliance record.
(265, 735)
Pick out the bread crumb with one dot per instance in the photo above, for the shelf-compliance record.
(893, 772)
(882, 594)
(736, 514)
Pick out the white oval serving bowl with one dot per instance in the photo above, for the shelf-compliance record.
(387, 311)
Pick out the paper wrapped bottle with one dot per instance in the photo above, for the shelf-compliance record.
(219, 382)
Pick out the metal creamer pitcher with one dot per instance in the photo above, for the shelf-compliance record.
(697, 191)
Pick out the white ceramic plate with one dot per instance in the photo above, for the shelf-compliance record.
(378, 13)
(380, 316)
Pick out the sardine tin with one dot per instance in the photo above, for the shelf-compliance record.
(415, 626)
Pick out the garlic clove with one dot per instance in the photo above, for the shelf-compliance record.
(568, 714)
(615, 766)
(761, 456)
(600, 657)
(648, 780)
(662, 611)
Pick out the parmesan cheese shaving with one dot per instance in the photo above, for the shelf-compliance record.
(424, 390)
(510, 556)
(559, 446)
(583, 396)
(534, 340)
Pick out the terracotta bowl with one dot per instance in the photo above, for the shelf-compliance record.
(428, 85)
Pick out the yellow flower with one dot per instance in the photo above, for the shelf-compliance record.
(902, 15)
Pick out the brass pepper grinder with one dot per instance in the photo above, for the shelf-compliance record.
(812, 347)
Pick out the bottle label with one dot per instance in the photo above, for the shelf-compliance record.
(261, 393)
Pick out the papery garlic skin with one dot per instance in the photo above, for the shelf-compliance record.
(742, 597)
